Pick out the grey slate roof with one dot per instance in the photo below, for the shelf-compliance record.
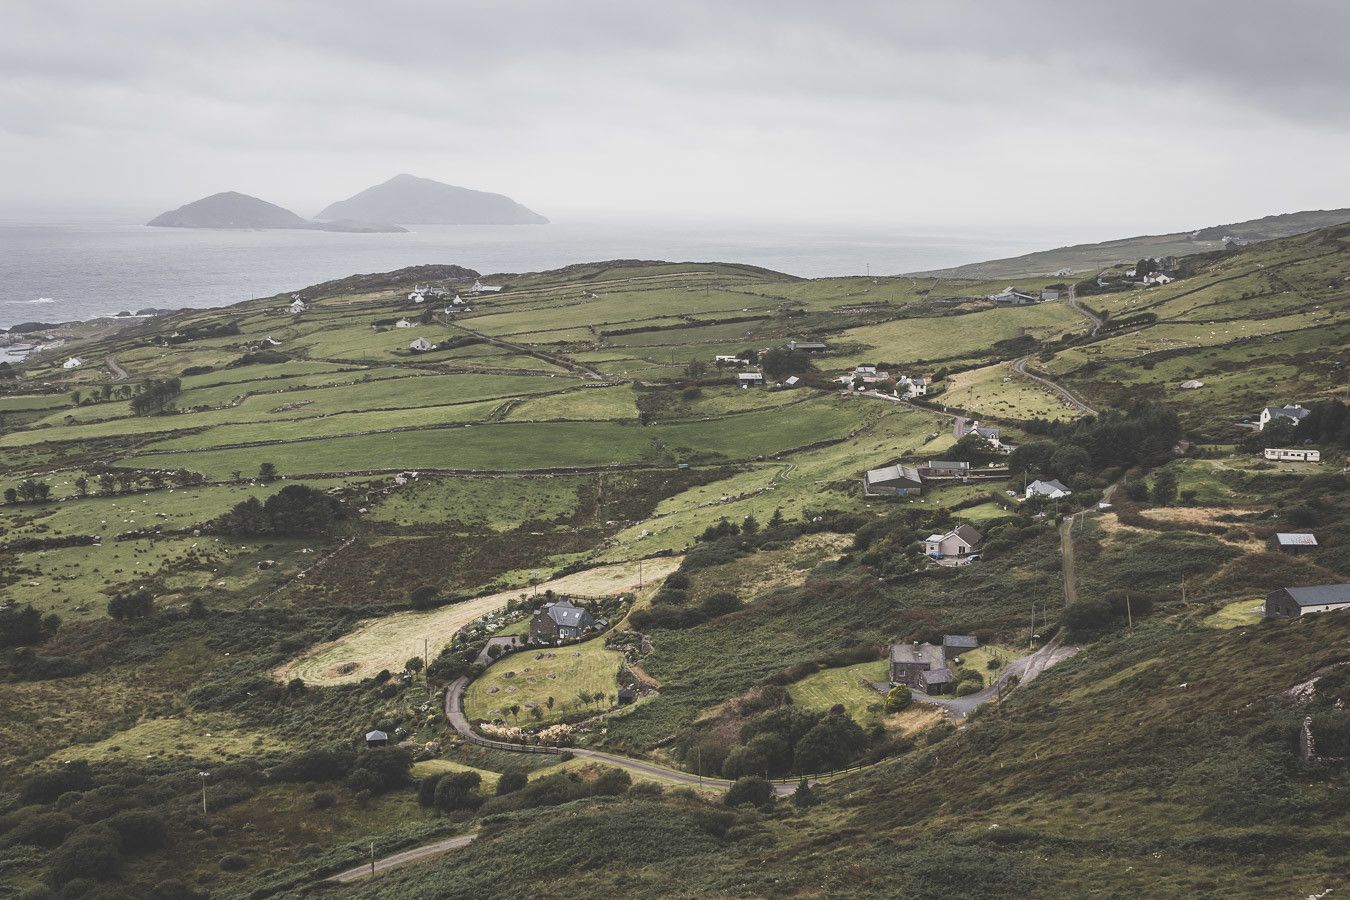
(1047, 487)
(937, 676)
(894, 473)
(376, 736)
(923, 653)
(1290, 411)
(947, 464)
(566, 614)
(960, 641)
(1320, 595)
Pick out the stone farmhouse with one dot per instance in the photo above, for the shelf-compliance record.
(1292, 602)
(559, 621)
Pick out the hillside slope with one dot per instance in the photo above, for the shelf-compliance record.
(1088, 258)
(409, 200)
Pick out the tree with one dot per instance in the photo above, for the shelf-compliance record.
(803, 797)
(549, 702)
(1164, 487)
(75, 398)
(898, 698)
(11, 495)
(414, 665)
(82, 486)
(424, 597)
(107, 484)
(267, 472)
(514, 710)
(721, 603)
(1086, 617)
(456, 790)
(153, 397)
(779, 364)
(696, 368)
(776, 520)
(20, 626)
(832, 744)
(750, 524)
(43, 490)
(751, 789)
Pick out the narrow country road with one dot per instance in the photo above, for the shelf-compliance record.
(1019, 366)
(118, 373)
(454, 713)
(1071, 298)
(407, 856)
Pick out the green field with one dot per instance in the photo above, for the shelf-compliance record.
(528, 678)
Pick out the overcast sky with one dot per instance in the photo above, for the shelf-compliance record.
(1113, 117)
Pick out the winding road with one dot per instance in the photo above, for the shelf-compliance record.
(426, 851)
(1019, 366)
(1026, 669)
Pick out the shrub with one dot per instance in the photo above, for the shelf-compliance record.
(611, 783)
(803, 797)
(140, 830)
(720, 604)
(92, 852)
(426, 790)
(43, 788)
(833, 743)
(323, 800)
(456, 790)
(316, 765)
(510, 782)
(1087, 617)
(752, 789)
(898, 698)
(966, 688)
(233, 862)
(645, 789)
(43, 829)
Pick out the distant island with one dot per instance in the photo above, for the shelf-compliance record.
(231, 209)
(410, 200)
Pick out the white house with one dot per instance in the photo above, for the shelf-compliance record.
(1292, 455)
(480, 288)
(1158, 278)
(1063, 273)
(912, 387)
(1049, 294)
(1052, 489)
(1192, 384)
(416, 297)
(749, 379)
(421, 345)
(73, 363)
(404, 323)
(723, 359)
(297, 306)
(1292, 411)
(960, 545)
(1130, 273)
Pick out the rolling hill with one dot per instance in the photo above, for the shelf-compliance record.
(231, 209)
(1086, 259)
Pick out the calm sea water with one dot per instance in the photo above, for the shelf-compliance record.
(67, 272)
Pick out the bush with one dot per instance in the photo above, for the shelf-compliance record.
(42, 829)
(720, 604)
(92, 852)
(1087, 617)
(316, 765)
(611, 783)
(140, 830)
(456, 790)
(899, 698)
(323, 800)
(832, 744)
(966, 688)
(752, 789)
(233, 862)
(426, 790)
(43, 788)
(510, 782)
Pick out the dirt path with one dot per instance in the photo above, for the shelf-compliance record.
(1071, 298)
(1019, 367)
(407, 856)
(1066, 554)
(118, 373)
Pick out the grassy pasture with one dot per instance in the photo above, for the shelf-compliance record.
(1237, 614)
(847, 685)
(529, 677)
(948, 337)
(599, 404)
(996, 391)
(500, 504)
(387, 643)
(521, 446)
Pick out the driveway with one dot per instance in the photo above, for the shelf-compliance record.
(1026, 669)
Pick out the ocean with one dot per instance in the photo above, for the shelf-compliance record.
(77, 271)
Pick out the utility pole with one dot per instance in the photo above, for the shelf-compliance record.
(640, 582)
(203, 776)
(372, 857)
(699, 765)
(1129, 614)
(1031, 636)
